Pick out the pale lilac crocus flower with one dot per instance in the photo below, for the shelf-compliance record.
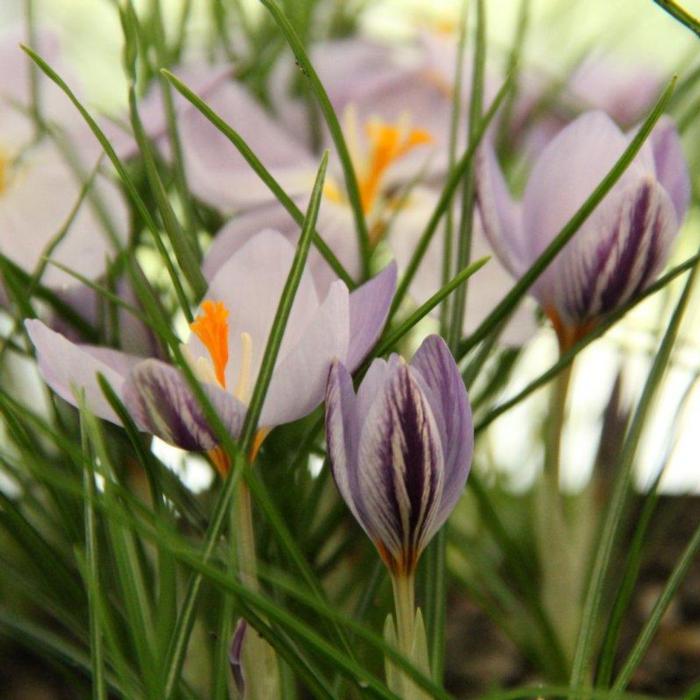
(225, 351)
(623, 244)
(38, 186)
(400, 448)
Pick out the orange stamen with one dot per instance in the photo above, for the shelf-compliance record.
(211, 327)
(389, 143)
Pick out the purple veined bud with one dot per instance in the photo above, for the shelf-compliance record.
(235, 656)
(401, 448)
(622, 245)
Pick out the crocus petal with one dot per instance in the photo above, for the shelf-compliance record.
(220, 175)
(343, 438)
(239, 230)
(567, 171)
(69, 368)
(671, 166)
(38, 202)
(609, 264)
(299, 378)
(444, 388)
(250, 285)
(334, 225)
(162, 403)
(500, 216)
(401, 470)
(369, 307)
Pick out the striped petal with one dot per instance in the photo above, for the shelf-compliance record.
(614, 261)
(442, 384)
(401, 471)
(162, 403)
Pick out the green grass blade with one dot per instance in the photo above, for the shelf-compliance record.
(394, 335)
(614, 514)
(453, 180)
(680, 14)
(297, 47)
(181, 244)
(520, 288)
(92, 566)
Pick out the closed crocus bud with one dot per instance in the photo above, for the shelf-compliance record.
(622, 245)
(401, 448)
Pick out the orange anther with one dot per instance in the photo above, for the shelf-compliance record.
(211, 327)
(389, 143)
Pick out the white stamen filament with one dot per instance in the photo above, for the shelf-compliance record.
(243, 384)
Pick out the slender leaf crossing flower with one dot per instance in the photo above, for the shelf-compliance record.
(619, 249)
(225, 351)
(401, 448)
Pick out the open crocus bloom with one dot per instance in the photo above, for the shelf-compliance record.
(401, 448)
(225, 350)
(621, 246)
(39, 188)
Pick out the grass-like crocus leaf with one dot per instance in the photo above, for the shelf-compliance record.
(353, 189)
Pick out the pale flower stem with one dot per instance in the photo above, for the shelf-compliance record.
(560, 590)
(403, 586)
(245, 537)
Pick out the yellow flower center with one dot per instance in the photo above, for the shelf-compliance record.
(211, 327)
(388, 143)
(5, 163)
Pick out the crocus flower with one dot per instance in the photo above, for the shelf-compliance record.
(400, 448)
(225, 350)
(621, 246)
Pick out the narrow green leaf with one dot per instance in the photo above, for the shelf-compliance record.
(453, 180)
(297, 47)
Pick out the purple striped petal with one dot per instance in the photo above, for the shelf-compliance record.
(369, 307)
(444, 388)
(162, 403)
(671, 167)
(401, 471)
(612, 263)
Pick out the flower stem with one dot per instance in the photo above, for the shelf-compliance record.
(245, 538)
(557, 556)
(403, 586)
